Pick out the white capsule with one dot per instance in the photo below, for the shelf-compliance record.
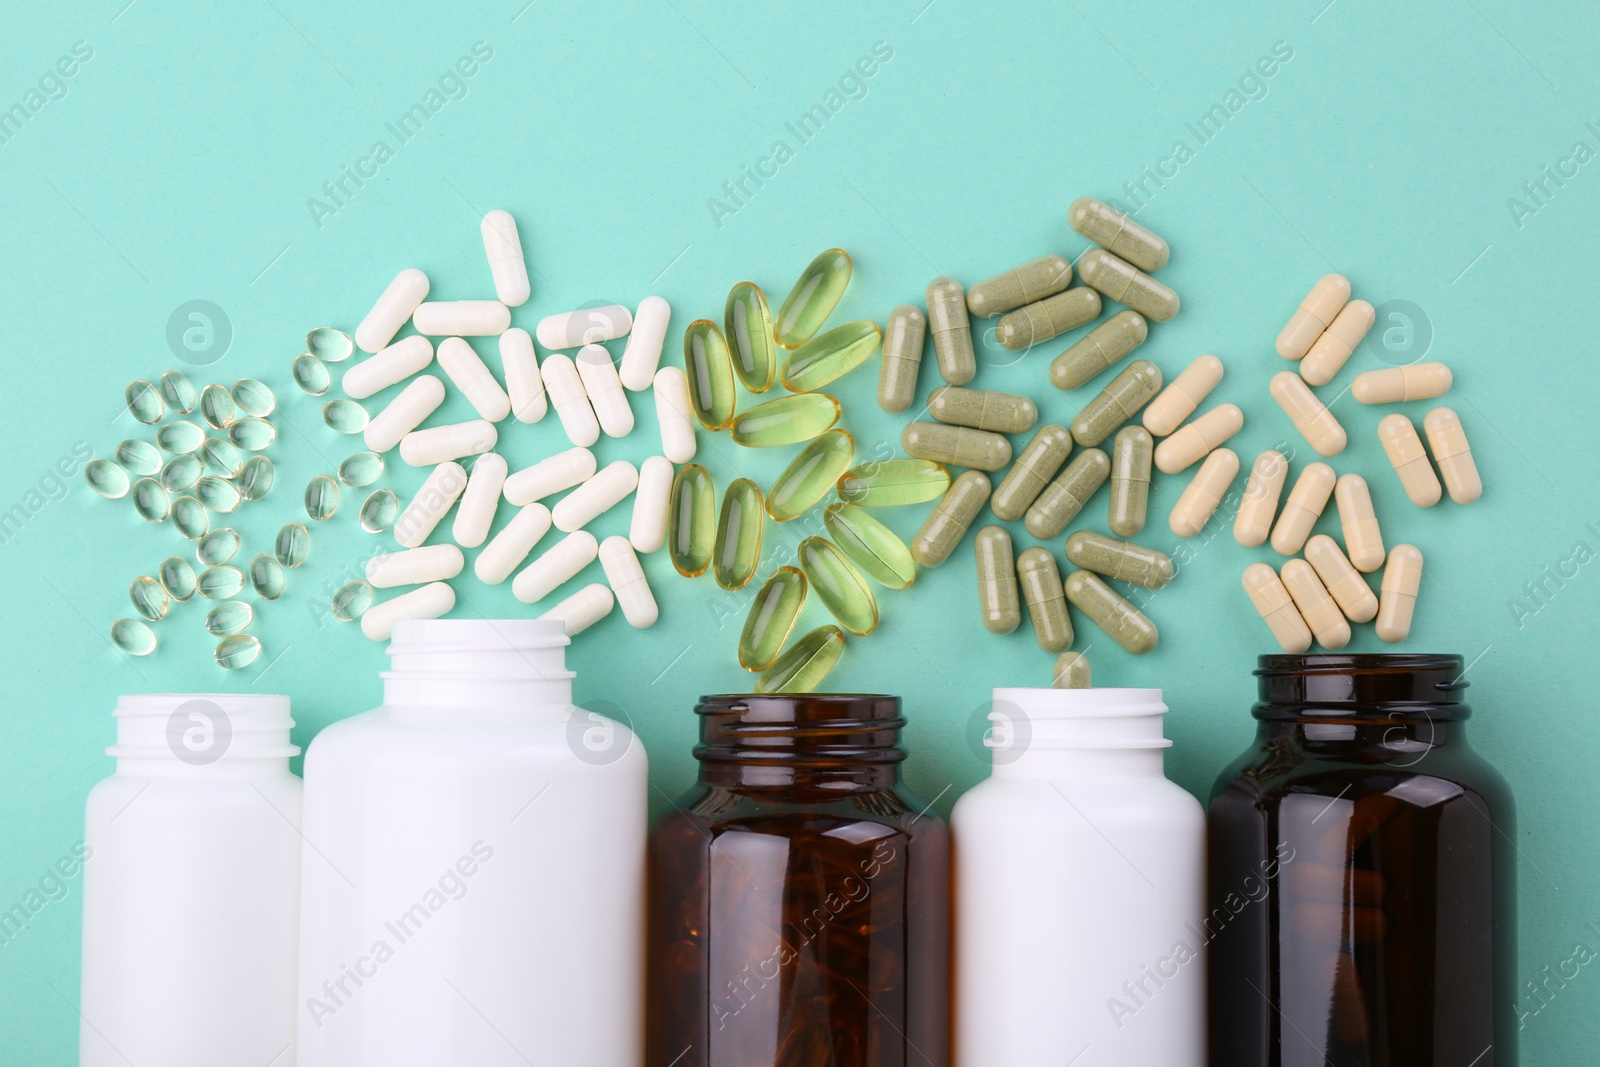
(479, 501)
(511, 545)
(582, 609)
(596, 496)
(415, 566)
(651, 503)
(404, 413)
(643, 354)
(604, 389)
(503, 246)
(436, 444)
(626, 575)
(439, 491)
(585, 326)
(428, 602)
(673, 414)
(561, 471)
(571, 402)
(471, 375)
(395, 305)
(561, 561)
(394, 364)
(461, 318)
(523, 383)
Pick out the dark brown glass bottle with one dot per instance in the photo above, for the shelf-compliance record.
(1362, 875)
(799, 904)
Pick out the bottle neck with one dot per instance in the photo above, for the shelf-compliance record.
(822, 745)
(479, 669)
(217, 735)
(1077, 733)
(1360, 689)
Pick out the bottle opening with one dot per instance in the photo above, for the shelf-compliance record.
(1358, 683)
(814, 727)
(202, 728)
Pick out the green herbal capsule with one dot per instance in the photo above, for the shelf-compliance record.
(902, 357)
(1121, 281)
(1100, 349)
(1130, 481)
(947, 524)
(1123, 622)
(959, 446)
(145, 402)
(1061, 500)
(810, 475)
(737, 549)
(838, 585)
(805, 664)
(1040, 580)
(952, 331)
(709, 366)
(772, 615)
(1120, 560)
(888, 483)
(1117, 233)
(1036, 323)
(1027, 284)
(871, 545)
(982, 409)
(692, 531)
(1072, 671)
(830, 355)
(1118, 402)
(813, 298)
(997, 580)
(787, 420)
(1038, 462)
(747, 325)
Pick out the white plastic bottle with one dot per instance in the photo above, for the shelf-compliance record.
(1079, 890)
(474, 864)
(191, 886)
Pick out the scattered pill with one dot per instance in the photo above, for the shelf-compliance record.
(999, 601)
(379, 510)
(392, 365)
(673, 414)
(254, 398)
(414, 566)
(1194, 440)
(550, 476)
(221, 495)
(560, 561)
(1397, 600)
(437, 494)
(1259, 505)
(292, 545)
(1117, 233)
(181, 472)
(506, 551)
(149, 598)
(1333, 349)
(829, 356)
(747, 325)
(608, 488)
(321, 497)
(692, 521)
(1448, 443)
(454, 440)
(267, 577)
(982, 409)
(1130, 480)
(709, 365)
(1320, 307)
(957, 446)
(1060, 501)
(1317, 609)
(647, 528)
(256, 477)
(177, 577)
(361, 469)
(217, 546)
(1027, 284)
(1100, 349)
(952, 331)
(219, 582)
(351, 600)
(890, 483)
(237, 651)
(788, 420)
(330, 344)
(1118, 402)
(565, 390)
(837, 583)
(1363, 540)
(190, 517)
(1203, 494)
(345, 416)
(1307, 500)
(874, 548)
(1071, 671)
(429, 602)
(1406, 455)
(524, 384)
(1038, 462)
(1037, 323)
(812, 299)
(1186, 393)
(229, 617)
(1343, 582)
(1276, 608)
(310, 374)
(584, 326)
(604, 389)
(804, 664)
(503, 247)
(810, 475)
(771, 618)
(1313, 421)
(133, 636)
(1121, 281)
(625, 574)
(404, 413)
(462, 318)
(1420, 381)
(1107, 609)
(740, 525)
(394, 306)
(902, 358)
(178, 391)
(251, 434)
(217, 407)
(145, 402)
(222, 457)
(1120, 560)
(1040, 582)
(108, 479)
(479, 501)
(950, 519)
(472, 376)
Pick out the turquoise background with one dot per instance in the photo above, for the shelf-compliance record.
(178, 161)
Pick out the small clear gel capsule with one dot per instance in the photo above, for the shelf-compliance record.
(810, 475)
(747, 325)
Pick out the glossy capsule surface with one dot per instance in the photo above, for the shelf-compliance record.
(788, 420)
(1038, 322)
(1186, 393)
(1122, 561)
(1447, 440)
(888, 483)
(692, 528)
(812, 299)
(837, 583)
(1027, 284)
(999, 602)
(740, 526)
(1343, 582)
(983, 409)
(829, 356)
(1118, 402)
(874, 548)
(1358, 522)
(952, 331)
(902, 358)
(950, 519)
(1122, 622)
(747, 326)
(1121, 281)
(1039, 580)
(1308, 414)
(1039, 461)
(709, 365)
(772, 615)
(1117, 233)
(1130, 480)
(804, 664)
(1100, 349)
(958, 446)
(1060, 501)
(810, 475)
(145, 402)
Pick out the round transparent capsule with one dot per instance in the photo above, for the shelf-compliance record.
(180, 436)
(810, 475)
(830, 356)
(267, 577)
(311, 374)
(747, 325)
(253, 398)
(177, 577)
(329, 344)
(133, 636)
(229, 617)
(221, 457)
(361, 469)
(256, 478)
(217, 407)
(218, 546)
(874, 548)
(812, 299)
(237, 651)
(144, 402)
(292, 544)
(150, 500)
(322, 497)
(252, 434)
(107, 479)
(220, 583)
(179, 473)
(218, 494)
(788, 420)
(150, 598)
(804, 664)
(893, 482)
(351, 600)
(837, 583)
(345, 416)
(139, 458)
(179, 392)
(379, 510)
(190, 517)
(771, 619)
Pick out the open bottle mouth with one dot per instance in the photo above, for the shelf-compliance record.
(841, 728)
(1360, 683)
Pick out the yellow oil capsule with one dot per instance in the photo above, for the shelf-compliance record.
(1100, 349)
(804, 664)
(1195, 440)
(1201, 497)
(692, 530)
(810, 475)
(840, 587)
(1304, 507)
(982, 409)
(1276, 608)
(1038, 322)
(1448, 443)
(871, 546)
(1121, 281)
(888, 483)
(998, 599)
(1071, 672)
(1420, 381)
(1333, 349)
(950, 518)
(1343, 582)
(1186, 393)
(902, 358)
(1106, 608)
(1040, 582)
(1122, 561)
(1320, 307)
(1397, 599)
(788, 420)
(772, 615)
(1061, 500)
(829, 356)
(814, 296)
(952, 331)
(1363, 540)
(1259, 504)
(747, 325)
(1130, 481)
(737, 548)
(1406, 455)
(1317, 609)
(709, 366)
(958, 446)
(1117, 233)
(1038, 462)
(1313, 421)
(1118, 402)
(1031, 282)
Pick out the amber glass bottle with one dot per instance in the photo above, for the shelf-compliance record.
(799, 904)
(1362, 875)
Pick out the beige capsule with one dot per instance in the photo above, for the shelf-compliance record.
(1363, 540)
(1420, 381)
(1204, 493)
(1397, 599)
(1406, 455)
(1276, 608)
(1186, 393)
(1314, 421)
(1193, 442)
(1304, 507)
(1260, 502)
(1448, 443)
(1333, 349)
(1320, 307)
(1343, 582)
(1317, 609)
